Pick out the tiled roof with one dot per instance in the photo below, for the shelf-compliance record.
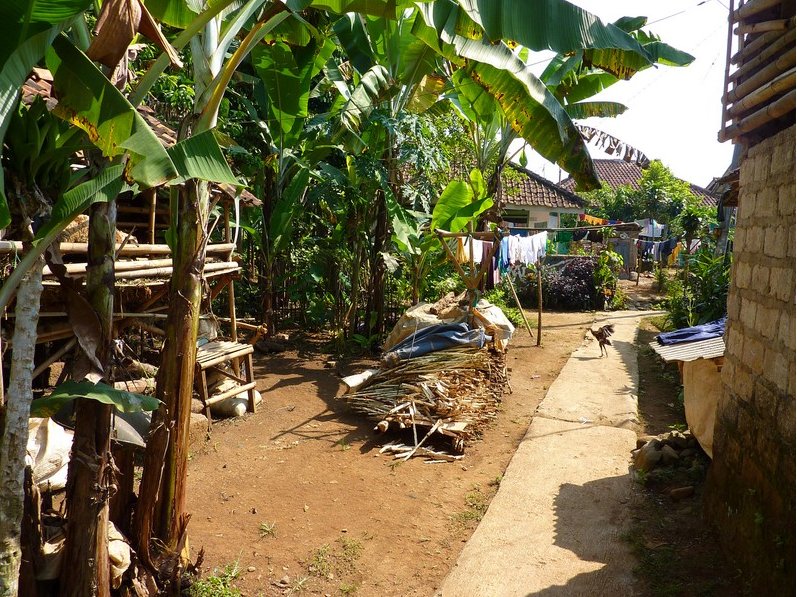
(617, 173)
(533, 190)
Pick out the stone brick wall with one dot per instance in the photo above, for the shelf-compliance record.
(751, 491)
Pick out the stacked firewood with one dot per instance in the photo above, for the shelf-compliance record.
(453, 392)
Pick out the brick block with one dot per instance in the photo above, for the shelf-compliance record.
(790, 241)
(782, 281)
(743, 380)
(786, 200)
(766, 322)
(742, 274)
(753, 356)
(766, 202)
(776, 368)
(761, 168)
(739, 237)
(755, 239)
(785, 421)
(734, 341)
(775, 243)
(760, 279)
(786, 331)
(734, 305)
(747, 314)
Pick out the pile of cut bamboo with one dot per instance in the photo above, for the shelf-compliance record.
(453, 392)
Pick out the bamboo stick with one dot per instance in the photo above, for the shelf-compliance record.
(774, 25)
(231, 392)
(753, 7)
(766, 74)
(779, 43)
(54, 357)
(167, 271)
(539, 306)
(752, 48)
(121, 266)
(778, 85)
(520, 308)
(766, 114)
(12, 246)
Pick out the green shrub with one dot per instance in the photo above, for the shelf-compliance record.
(502, 298)
(703, 296)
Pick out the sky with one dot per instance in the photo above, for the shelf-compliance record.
(673, 112)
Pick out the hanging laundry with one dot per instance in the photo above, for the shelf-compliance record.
(477, 250)
(592, 220)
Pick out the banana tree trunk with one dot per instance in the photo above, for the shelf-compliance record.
(13, 442)
(160, 512)
(85, 569)
(269, 259)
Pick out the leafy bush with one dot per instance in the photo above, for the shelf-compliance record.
(569, 287)
(502, 298)
(704, 295)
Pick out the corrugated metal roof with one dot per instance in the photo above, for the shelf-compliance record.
(691, 351)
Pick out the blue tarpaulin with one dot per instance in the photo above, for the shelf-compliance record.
(436, 337)
(713, 329)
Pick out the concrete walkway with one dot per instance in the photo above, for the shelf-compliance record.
(555, 525)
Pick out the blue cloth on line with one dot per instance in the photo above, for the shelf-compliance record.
(706, 331)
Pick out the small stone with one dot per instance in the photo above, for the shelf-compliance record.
(677, 440)
(253, 510)
(285, 580)
(344, 530)
(688, 452)
(681, 493)
(251, 569)
(668, 455)
(648, 456)
(643, 439)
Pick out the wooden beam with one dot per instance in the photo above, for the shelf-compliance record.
(12, 246)
(764, 56)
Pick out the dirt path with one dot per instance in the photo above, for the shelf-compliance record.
(299, 497)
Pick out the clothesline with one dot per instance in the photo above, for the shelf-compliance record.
(571, 229)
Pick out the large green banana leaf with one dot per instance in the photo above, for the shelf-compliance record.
(544, 25)
(200, 157)
(287, 73)
(494, 72)
(374, 85)
(460, 203)
(126, 402)
(87, 99)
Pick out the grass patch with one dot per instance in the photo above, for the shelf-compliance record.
(267, 529)
(328, 561)
(218, 584)
(476, 503)
(321, 561)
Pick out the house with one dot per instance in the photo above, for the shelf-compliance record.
(617, 173)
(750, 496)
(530, 200)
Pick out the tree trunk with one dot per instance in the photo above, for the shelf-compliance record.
(13, 443)
(160, 512)
(85, 569)
(269, 199)
(376, 293)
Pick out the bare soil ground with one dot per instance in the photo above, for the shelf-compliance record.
(299, 497)
(677, 551)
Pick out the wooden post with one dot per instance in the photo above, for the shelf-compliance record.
(231, 288)
(539, 303)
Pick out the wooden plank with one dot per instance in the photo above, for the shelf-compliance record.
(250, 374)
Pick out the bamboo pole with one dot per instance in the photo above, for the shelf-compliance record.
(153, 203)
(766, 114)
(54, 357)
(517, 302)
(11, 246)
(774, 25)
(764, 56)
(752, 48)
(779, 84)
(765, 75)
(231, 286)
(753, 7)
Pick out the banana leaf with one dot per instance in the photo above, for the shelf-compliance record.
(126, 402)
(492, 72)
(87, 99)
(595, 109)
(459, 203)
(200, 157)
